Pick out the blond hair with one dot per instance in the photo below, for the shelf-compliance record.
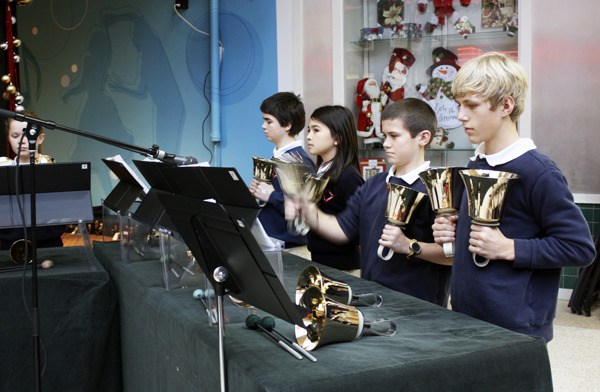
(493, 76)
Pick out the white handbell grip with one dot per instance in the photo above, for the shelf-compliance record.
(480, 264)
(298, 226)
(261, 203)
(448, 249)
(387, 256)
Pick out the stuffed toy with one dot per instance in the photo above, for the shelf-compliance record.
(442, 9)
(464, 27)
(395, 73)
(438, 92)
(512, 25)
(370, 101)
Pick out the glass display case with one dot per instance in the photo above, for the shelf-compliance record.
(413, 48)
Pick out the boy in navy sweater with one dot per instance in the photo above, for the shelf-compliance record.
(283, 119)
(418, 266)
(541, 228)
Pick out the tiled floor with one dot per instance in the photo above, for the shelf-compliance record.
(575, 350)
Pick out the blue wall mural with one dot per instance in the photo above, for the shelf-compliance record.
(136, 72)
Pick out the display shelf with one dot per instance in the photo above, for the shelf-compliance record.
(494, 38)
(378, 59)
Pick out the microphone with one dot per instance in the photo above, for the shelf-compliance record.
(174, 159)
(269, 324)
(253, 322)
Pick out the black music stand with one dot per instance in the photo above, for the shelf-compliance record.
(213, 211)
(63, 197)
(232, 260)
(224, 185)
(127, 191)
(62, 191)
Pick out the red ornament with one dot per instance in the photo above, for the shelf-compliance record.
(465, 3)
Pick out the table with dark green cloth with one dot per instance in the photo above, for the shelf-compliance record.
(168, 345)
(78, 322)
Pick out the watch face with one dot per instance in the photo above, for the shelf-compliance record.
(416, 248)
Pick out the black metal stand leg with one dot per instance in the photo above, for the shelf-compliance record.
(220, 275)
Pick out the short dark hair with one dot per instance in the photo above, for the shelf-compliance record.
(288, 109)
(415, 113)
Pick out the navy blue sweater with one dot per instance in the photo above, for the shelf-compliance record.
(272, 215)
(365, 218)
(334, 200)
(550, 232)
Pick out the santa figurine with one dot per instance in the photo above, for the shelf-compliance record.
(396, 73)
(370, 100)
(464, 27)
(438, 92)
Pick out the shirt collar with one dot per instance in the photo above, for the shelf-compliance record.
(409, 177)
(511, 152)
(277, 153)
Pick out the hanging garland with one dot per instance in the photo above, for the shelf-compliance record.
(10, 80)
(11, 92)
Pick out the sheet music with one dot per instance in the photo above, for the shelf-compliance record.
(118, 158)
(263, 239)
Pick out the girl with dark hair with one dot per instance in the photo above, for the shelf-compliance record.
(332, 139)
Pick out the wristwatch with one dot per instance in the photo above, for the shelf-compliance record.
(414, 247)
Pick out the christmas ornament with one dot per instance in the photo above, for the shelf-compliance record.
(370, 100)
(512, 25)
(395, 73)
(438, 94)
(464, 27)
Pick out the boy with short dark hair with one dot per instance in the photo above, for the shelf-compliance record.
(418, 266)
(283, 119)
(541, 228)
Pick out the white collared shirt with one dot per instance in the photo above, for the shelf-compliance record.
(511, 152)
(277, 153)
(409, 177)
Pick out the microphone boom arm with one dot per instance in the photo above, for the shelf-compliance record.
(153, 152)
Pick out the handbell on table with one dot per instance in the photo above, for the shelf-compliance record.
(335, 290)
(329, 321)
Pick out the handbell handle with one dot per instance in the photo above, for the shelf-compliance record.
(373, 300)
(448, 249)
(378, 327)
(298, 226)
(480, 261)
(385, 256)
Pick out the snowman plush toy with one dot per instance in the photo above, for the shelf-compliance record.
(438, 94)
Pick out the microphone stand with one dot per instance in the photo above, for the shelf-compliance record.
(32, 133)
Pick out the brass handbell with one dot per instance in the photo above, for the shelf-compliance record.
(296, 179)
(263, 171)
(328, 321)
(445, 187)
(313, 189)
(18, 249)
(485, 196)
(402, 202)
(337, 291)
